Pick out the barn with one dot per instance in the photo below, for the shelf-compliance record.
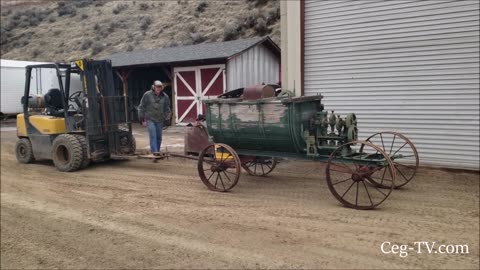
(196, 72)
(409, 66)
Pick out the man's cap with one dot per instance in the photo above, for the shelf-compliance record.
(157, 83)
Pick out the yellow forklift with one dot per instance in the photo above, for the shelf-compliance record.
(73, 127)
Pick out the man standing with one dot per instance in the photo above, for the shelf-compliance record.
(153, 110)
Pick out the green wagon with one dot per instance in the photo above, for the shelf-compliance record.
(259, 128)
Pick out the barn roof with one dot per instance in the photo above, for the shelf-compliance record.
(191, 53)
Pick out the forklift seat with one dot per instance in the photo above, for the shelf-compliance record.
(53, 99)
(54, 104)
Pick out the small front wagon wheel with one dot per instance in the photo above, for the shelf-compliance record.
(219, 167)
(350, 177)
(259, 166)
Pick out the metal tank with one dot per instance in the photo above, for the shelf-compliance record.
(266, 124)
(261, 121)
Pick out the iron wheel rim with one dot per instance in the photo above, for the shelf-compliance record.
(263, 172)
(219, 174)
(358, 176)
(406, 170)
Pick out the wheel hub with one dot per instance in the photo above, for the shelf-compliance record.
(362, 173)
(357, 177)
(217, 168)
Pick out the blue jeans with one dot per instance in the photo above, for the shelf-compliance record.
(155, 135)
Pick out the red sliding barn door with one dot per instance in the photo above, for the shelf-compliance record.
(192, 85)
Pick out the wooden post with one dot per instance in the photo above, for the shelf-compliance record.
(123, 75)
(171, 75)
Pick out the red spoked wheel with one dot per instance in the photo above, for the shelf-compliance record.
(259, 166)
(349, 175)
(401, 151)
(219, 167)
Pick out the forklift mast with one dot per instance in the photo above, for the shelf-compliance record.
(104, 109)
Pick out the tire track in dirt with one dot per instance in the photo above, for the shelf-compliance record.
(143, 233)
(161, 215)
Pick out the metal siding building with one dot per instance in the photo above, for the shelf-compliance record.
(256, 66)
(407, 66)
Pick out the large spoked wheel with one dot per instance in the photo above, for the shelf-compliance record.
(401, 151)
(219, 167)
(259, 166)
(349, 175)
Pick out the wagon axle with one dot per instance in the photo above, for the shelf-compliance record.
(219, 167)
(358, 177)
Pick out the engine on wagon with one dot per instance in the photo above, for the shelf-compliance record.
(332, 130)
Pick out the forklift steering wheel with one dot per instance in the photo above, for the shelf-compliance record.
(74, 96)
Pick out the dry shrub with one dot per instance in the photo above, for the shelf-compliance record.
(82, 3)
(119, 8)
(36, 52)
(143, 6)
(201, 7)
(97, 48)
(66, 9)
(231, 31)
(86, 44)
(145, 22)
(261, 27)
(197, 38)
(256, 3)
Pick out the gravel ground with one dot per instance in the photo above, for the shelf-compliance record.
(140, 214)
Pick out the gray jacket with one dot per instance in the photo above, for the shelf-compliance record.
(153, 107)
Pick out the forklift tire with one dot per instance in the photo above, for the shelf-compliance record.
(24, 151)
(132, 144)
(83, 142)
(67, 153)
(127, 142)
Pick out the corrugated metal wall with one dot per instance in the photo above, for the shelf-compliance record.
(409, 66)
(255, 66)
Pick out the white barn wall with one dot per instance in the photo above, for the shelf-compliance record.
(407, 66)
(255, 66)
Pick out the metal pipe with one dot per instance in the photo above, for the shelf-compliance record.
(182, 156)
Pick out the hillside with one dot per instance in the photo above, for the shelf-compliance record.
(61, 31)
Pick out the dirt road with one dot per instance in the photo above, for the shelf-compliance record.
(138, 214)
